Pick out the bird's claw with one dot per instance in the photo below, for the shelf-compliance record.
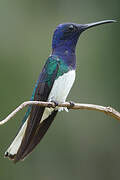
(72, 104)
(55, 104)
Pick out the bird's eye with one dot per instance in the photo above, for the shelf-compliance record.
(71, 27)
(69, 30)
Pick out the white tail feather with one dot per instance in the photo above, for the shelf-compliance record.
(12, 150)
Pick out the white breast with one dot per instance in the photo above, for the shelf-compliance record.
(60, 91)
(62, 86)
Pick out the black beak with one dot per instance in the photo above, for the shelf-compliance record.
(83, 27)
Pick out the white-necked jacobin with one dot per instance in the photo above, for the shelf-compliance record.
(54, 84)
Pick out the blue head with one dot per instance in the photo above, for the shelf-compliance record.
(66, 35)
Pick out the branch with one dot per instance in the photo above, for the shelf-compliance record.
(108, 110)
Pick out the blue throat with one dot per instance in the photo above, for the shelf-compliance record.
(66, 54)
(64, 43)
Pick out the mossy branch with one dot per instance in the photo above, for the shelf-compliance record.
(107, 110)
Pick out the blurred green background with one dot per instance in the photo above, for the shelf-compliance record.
(81, 145)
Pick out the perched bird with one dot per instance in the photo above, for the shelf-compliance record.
(54, 84)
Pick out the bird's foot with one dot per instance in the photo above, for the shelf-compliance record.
(55, 104)
(72, 104)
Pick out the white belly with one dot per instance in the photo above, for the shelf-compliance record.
(61, 87)
(60, 91)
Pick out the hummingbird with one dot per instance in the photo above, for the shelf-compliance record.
(54, 84)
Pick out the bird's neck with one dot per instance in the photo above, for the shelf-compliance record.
(66, 54)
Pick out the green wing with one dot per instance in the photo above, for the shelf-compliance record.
(35, 130)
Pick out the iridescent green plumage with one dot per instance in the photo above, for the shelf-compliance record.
(51, 65)
(47, 73)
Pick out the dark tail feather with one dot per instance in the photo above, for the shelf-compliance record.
(40, 132)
